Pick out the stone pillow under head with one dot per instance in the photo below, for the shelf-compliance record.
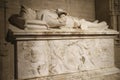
(27, 13)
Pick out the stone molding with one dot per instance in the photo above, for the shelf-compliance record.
(19, 34)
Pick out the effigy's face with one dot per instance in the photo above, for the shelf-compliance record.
(62, 15)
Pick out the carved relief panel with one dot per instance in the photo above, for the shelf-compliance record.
(53, 57)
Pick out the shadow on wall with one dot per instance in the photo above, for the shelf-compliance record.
(78, 8)
(117, 55)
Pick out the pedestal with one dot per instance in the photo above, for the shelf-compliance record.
(63, 54)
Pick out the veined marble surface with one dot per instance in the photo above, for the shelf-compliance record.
(52, 57)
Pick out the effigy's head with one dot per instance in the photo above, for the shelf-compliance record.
(60, 12)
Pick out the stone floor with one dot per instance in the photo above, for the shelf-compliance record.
(107, 77)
